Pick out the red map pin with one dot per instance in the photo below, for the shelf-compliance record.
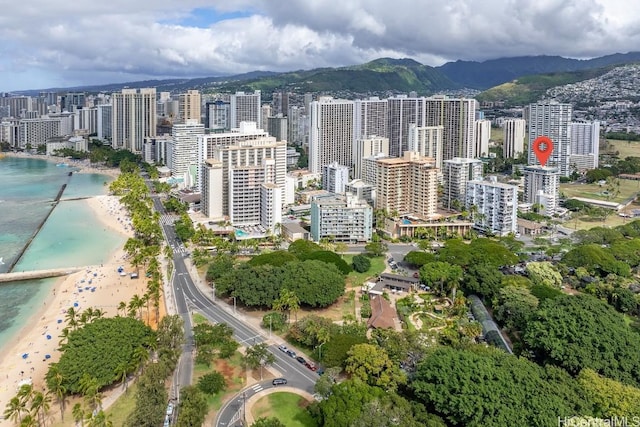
(542, 148)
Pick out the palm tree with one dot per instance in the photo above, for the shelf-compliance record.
(100, 419)
(14, 409)
(122, 307)
(40, 405)
(58, 389)
(135, 306)
(71, 317)
(29, 421)
(122, 373)
(140, 355)
(78, 413)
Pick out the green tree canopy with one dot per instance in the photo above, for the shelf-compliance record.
(419, 258)
(441, 276)
(361, 263)
(372, 365)
(99, 348)
(596, 260)
(544, 273)
(330, 258)
(610, 398)
(577, 332)
(276, 258)
(514, 306)
(487, 387)
(302, 247)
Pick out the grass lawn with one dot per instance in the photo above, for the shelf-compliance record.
(594, 191)
(122, 407)
(356, 279)
(289, 408)
(624, 148)
(233, 372)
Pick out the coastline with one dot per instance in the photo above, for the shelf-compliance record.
(98, 286)
(82, 166)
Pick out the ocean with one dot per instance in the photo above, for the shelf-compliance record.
(71, 237)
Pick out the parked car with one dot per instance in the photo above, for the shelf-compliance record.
(283, 348)
(311, 365)
(279, 381)
(301, 360)
(291, 353)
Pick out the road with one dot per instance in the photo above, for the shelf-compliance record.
(189, 297)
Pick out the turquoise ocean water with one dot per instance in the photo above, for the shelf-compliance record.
(71, 237)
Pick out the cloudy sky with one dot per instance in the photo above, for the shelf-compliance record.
(45, 43)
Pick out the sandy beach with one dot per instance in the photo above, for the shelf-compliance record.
(82, 166)
(27, 357)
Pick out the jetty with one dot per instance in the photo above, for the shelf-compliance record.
(37, 274)
(26, 246)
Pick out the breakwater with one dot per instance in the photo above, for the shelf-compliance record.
(28, 243)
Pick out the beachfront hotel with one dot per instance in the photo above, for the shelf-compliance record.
(133, 118)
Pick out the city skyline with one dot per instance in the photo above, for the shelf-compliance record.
(63, 45)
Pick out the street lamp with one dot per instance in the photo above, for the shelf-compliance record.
(320, 352)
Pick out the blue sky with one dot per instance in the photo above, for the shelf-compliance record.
(47, 44)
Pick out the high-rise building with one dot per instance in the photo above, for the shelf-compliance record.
(367, 147)
(190, 106)
(541, 187)
(514, 134)
(330, 133)
(457, 116)
(184, 150)
(249, 158)
(370, 118)
(217, 115)
(402, 113)
(35, 132)
(407, 185)
(245, 107)
(277, 127)
(551, 119)
(496, 204)
(427, 140)
(585, 145)
(211, 195)
(481, 137)
(457, 172)
(87, 119)
(341, 218)
(271, 206)
(334, 177)
(361, 190)
(298, 125)
(370, 168)
(133, 118)
(105, 121)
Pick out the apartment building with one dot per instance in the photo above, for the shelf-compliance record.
(133, 118)
(513, 139)
(553, 120)
(542, 187)
(456, 173)
(341, 218)
(407, 185)
(330, 133)
(496, 206)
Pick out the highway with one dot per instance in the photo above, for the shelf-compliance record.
(189, 297)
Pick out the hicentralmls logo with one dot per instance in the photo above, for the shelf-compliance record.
(599, 422)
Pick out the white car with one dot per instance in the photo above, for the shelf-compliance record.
(283, 348)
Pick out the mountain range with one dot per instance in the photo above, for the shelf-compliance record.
(387, 75)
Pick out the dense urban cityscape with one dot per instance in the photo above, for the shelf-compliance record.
(407, 247)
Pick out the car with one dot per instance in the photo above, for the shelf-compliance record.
(301, 360)
(283, 348)
(170, 409)
(291, 353)
(311, 365)
(167, 421)
(279, 381)
(416, 275)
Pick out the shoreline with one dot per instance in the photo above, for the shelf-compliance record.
(97, 286)
(82, 166)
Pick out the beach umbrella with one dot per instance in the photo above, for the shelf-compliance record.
(59, 320)
(25, 355)
(75, 304)
(47, 356)
(48, 337)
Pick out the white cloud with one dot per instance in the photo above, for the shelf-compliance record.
(87, 42)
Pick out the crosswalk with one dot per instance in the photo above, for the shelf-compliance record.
(257, 388)
(168, 219)
(179, 249)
